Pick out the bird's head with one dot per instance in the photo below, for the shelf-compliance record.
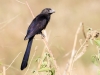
(48, 11)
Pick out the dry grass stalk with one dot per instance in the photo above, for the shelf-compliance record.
(76, 54)
(70, 63)
(4, 70)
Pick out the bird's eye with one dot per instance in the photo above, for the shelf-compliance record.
(49, 10)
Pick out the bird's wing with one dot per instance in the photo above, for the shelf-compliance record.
(35, 28)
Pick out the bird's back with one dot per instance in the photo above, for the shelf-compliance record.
(37, 25)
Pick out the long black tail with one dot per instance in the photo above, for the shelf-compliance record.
(26, 55)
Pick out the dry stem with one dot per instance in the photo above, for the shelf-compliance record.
(70, 63)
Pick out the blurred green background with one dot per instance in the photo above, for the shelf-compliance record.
(15, 18)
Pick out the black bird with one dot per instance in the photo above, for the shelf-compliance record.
(38, 24)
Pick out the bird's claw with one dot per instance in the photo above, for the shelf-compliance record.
(42, 35)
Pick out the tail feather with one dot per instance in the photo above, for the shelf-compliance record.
(26, 55)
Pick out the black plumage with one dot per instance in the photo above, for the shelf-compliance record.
(38, 24)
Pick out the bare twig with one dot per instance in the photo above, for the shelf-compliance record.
(75, 41)
(3, 22)
(29, 9)
(4, 70)
(11, 67)
(9, 22)
(80, 48)
(22, 33)
(13, 61)
(20, 2)
(81, 53)
(83, 31)
(69, 66)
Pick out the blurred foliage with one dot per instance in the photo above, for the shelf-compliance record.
(97, 41)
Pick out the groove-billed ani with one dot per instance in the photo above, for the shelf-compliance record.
(36, 27)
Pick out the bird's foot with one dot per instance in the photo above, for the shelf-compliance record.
(42, 35)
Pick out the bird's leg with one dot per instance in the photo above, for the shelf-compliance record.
(43, 36)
